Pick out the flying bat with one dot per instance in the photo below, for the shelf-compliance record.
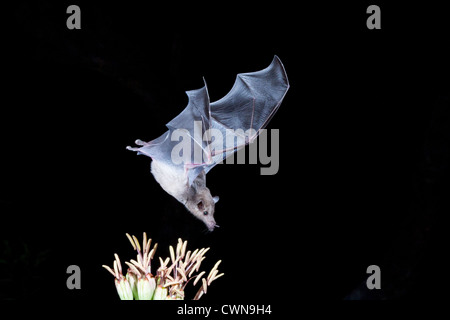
(205, 133)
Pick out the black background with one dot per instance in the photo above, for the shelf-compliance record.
(364, 148)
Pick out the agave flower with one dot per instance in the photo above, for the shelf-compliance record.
(122, 284)
(171, 278)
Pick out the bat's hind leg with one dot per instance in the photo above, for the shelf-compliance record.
(139, 142)
(189, 166)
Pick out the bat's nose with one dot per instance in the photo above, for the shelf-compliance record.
(212, 225)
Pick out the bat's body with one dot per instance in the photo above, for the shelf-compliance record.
(196, 197)
(172, 180)
(248, 107)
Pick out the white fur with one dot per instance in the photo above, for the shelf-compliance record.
(172, 180)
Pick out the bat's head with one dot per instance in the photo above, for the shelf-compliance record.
(202, 205)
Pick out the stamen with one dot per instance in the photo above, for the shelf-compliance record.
(109, 269)
(131, 241)
(194, 255)
(178, 250)
(188, 254)
(214, 268)
(115, 269)
(217, 277)
(144, 260)
(198, 277)
(149, 242)
(133, 268)
(205, 285)
(183, 275)
(137, 244)
(154, 250)
(211, 277)
(183, 248)
(119, 265)
(172, 254)
(144, 241)
(138, 265)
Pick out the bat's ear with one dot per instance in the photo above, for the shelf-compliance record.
(216, 199)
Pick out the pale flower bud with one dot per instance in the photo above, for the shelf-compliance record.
(146, 287)
(160, 293)
(124, 289)
(132, 280)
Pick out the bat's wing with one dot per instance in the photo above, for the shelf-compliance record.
(217, 130)
(184, 139)
(247, 108)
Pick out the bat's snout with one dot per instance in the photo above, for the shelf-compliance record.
(211, 226)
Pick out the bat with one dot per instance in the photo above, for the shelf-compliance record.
(210, 133)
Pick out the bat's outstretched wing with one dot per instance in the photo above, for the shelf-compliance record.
(182, 146)
(247, 108)
(216, 130)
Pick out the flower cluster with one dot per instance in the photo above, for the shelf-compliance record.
(170, 279)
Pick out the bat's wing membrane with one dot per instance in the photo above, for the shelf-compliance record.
(247, 108)
(192, 123)
(237, 119)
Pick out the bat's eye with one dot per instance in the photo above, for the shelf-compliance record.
(205, 213)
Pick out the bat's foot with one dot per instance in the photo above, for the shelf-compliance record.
(139, 142)
(132, 149)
